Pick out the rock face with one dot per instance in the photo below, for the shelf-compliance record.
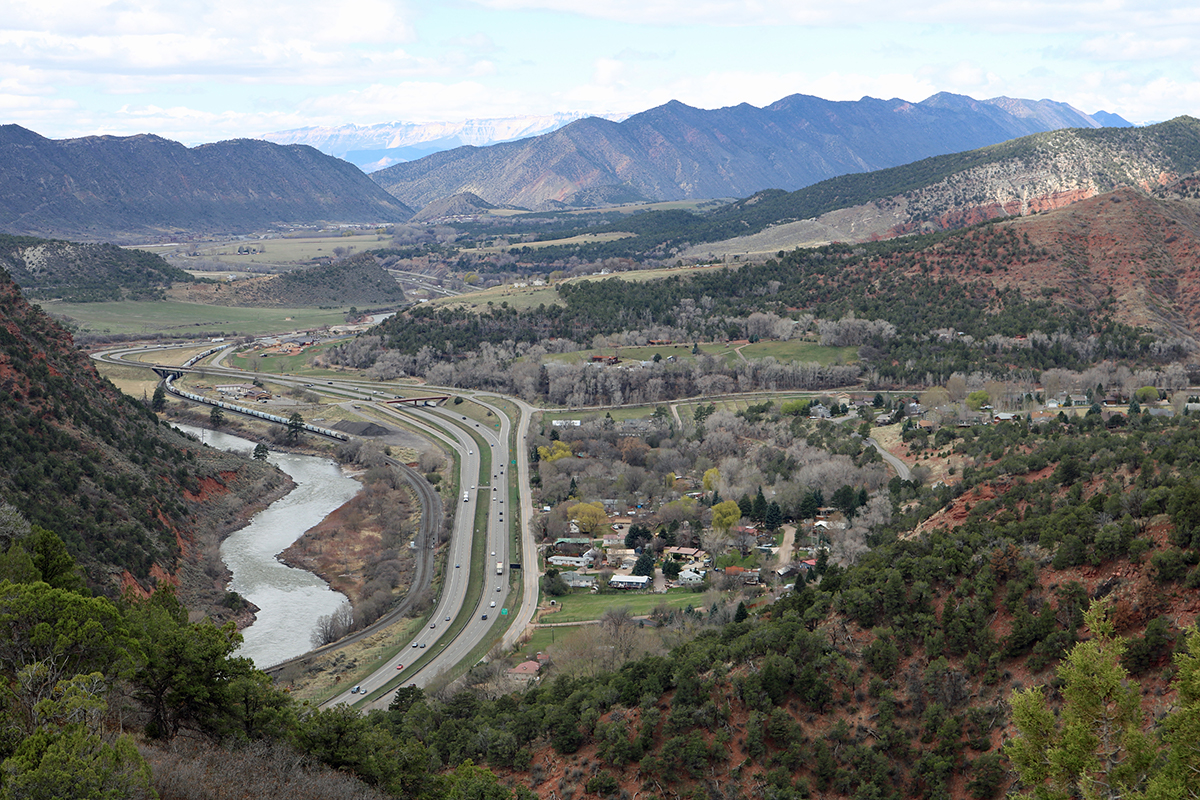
(130, 188)
(676, 152)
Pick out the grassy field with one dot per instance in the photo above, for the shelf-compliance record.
(291, 250)
(791, 350)
(172, 317)
(798, 350)
(531, 296)
(133, 381)
(586, 238)
(519, 298)
(618, 414)
(581, 607)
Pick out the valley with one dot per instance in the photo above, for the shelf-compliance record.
(794, 495)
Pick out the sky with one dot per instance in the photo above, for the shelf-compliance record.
(206, 70)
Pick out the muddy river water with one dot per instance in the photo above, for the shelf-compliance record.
(291, 600)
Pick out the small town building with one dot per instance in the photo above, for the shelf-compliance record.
(629, 582)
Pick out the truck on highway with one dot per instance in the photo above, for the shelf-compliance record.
(466, 497)
(499, 568)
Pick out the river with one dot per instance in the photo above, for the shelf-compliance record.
(290, 600)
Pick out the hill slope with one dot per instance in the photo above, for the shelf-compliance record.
(676, 151)
(1024, 176)
(101, 187)
(84, 272)
(358, 280)
(127, 495)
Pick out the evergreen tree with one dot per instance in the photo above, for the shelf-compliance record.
(808, 507)
(1095, 747)
(741, 615)
(295, 426)
(746, 505)
(644, 565)
(758, 508)
(159, 401)
(774, 516)
(261, 451)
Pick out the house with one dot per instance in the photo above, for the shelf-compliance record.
(747, 576)
(1079, 400)
(629, 582)
(1005, 416)
(526, 671)
(569, 561)
(577, 580)
(690, 577)
(572, 545)
(685, 553)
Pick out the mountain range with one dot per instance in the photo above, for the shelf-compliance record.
(139, 187)
(373, 147)
(677, 152)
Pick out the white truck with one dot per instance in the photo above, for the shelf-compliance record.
(499, 568)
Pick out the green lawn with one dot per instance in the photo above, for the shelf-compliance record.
(583, 606)
(618, 414)
(799, 350)
(171, 317)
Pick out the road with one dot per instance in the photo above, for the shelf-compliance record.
(896, 464)
(454, 640)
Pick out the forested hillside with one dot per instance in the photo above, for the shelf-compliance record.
(128, 496)
(356, 280)
(1113, 278)
(81, 273)
(892, 678)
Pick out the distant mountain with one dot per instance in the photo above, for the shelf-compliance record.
(373, 147)
(678, 152)
(131, 188)
(1016, 178)
(80, 273)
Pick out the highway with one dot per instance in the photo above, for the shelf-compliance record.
(442, 643)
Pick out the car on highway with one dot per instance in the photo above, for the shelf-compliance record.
(456, 566)
(432, 625)
(415, 645)
(356, 690)
(493, 605)
(485, 616)
(399, 666)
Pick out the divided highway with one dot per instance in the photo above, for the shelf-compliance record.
(454, 628)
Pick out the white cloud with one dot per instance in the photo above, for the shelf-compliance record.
(1043, 16)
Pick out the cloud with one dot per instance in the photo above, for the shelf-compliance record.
(1044, 16)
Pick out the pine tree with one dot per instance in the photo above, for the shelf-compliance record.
(1095, 748)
